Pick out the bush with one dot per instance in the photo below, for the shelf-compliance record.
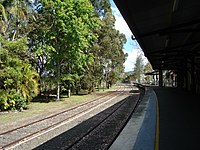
(11, 100)
(3, 101)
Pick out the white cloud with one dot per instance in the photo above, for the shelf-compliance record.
(120, 23)
(132, 47)
(130, 61)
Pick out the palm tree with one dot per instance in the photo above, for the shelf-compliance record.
(3, 19)
(13, 16)
(29, 84)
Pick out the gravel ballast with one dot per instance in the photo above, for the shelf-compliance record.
(71, 130)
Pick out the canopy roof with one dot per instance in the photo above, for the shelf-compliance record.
(167, 30)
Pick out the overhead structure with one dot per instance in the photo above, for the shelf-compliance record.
(168, 32)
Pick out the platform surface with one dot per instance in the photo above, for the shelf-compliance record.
(179, 119)
(139, 133)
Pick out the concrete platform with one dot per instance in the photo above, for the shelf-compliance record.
(179, 120)
(171, 124)
(139, 133)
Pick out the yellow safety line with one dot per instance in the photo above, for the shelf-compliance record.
(157, 126)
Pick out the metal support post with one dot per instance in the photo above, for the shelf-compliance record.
(160, 78)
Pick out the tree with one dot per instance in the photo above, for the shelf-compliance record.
(14, 19)
(39, 46)
(70, 35)
(148, 68)
(107, 51)
(18, 79)
(72, 44)
(138, 68)
(101, 7)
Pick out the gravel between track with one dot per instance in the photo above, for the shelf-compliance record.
(67, 127)
(103, 135)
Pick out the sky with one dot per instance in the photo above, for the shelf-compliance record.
(131, 47)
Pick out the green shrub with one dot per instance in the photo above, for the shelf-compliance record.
(3, 101)
(20, 102)
(11, 100)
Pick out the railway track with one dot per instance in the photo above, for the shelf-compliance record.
(22, 134)
(98, 132)
(92, 134)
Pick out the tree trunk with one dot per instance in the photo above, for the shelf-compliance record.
(39, 86)
(93, 87)
(58, 91)
(15, 32)
(68, 94)
(68, 89)
(58, 81)
(77, 89)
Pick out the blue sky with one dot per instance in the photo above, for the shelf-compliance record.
(131, 47)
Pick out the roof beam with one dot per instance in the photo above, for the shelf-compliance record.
(176, 28)
(165, 50)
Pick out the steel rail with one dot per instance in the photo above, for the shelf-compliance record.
(51, 116)
(101, 122)
(55, 125)
(129, 117)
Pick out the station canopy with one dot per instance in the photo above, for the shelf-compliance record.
(167, 30)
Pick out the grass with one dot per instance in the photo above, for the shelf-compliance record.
(36, 109)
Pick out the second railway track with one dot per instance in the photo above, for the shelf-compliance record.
(98, 132)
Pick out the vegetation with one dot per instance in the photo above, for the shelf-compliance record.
(139, 73)
(37, 110)
(147, 69)
(138, 68)
(65, 47)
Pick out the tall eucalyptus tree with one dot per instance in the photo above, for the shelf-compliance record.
(108, 51)
(70, 35)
